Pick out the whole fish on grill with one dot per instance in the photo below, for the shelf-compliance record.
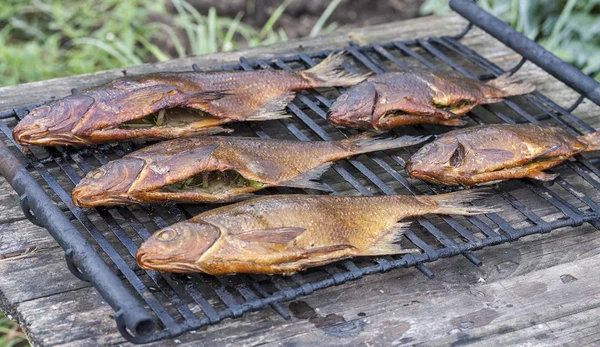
(169, 105)
(394, 99)
(219, 169)
(283, 234)
(492, 153)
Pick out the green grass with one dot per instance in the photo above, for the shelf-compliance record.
(42, 39)
(10, 333)
(568, 28)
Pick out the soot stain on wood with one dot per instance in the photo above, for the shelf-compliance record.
(332, 324)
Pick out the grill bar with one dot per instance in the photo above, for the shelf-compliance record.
(182, 303)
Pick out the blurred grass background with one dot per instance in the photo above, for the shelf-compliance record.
(42, 39)
(11, 334)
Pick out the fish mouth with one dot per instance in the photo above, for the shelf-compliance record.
(420, 174)
(82, 198)
(154, 261)
(349, 119)
(45, 138)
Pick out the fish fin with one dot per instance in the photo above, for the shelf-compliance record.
(510, 85)
(274, 109)
(489, 183)
(313, 252)
(371, 142)
(454, 122)
(330, 73)
(593, 141)
(307, 179)
(457, 202)
(388, 243)
(543, 176)
(548, 151)
(276, 235)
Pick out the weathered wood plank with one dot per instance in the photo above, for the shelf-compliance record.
(20, 236)
(9, 200)
(43, 273)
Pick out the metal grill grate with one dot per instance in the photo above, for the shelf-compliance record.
(183, 303)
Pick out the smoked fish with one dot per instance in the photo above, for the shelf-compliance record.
(394, 99)
(283, 234)
(170, 105)
(219, 169)
(489, 154)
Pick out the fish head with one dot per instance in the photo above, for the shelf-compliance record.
(438, 162)
(109, 184)
(354, 108)
(51, 124)
(178, 248)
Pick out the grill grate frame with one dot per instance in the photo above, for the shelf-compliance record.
(183, 303)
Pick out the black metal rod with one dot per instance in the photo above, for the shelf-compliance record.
(565, 72)
(94, 269)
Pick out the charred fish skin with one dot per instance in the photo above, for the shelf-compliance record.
(493, 153)
(288, 233)
(105, 113)
(394, 99)
(179, 170)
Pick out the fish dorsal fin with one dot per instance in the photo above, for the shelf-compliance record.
(275, 235)
(543, 176)
(274, 109)
(307, 179)
(387, 244)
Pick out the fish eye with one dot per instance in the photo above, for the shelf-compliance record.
(97, 173)
(42, 110)
(167, 235)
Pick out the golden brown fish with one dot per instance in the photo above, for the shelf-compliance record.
(219, 169)
(394, 99)
(130, 107)
(493, 153)
(287, 233)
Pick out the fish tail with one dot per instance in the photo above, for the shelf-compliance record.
(371, 142)
(330, 73)
(593, 141)
(510, 85)
(459, 203)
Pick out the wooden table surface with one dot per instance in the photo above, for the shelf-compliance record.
(540, 290)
